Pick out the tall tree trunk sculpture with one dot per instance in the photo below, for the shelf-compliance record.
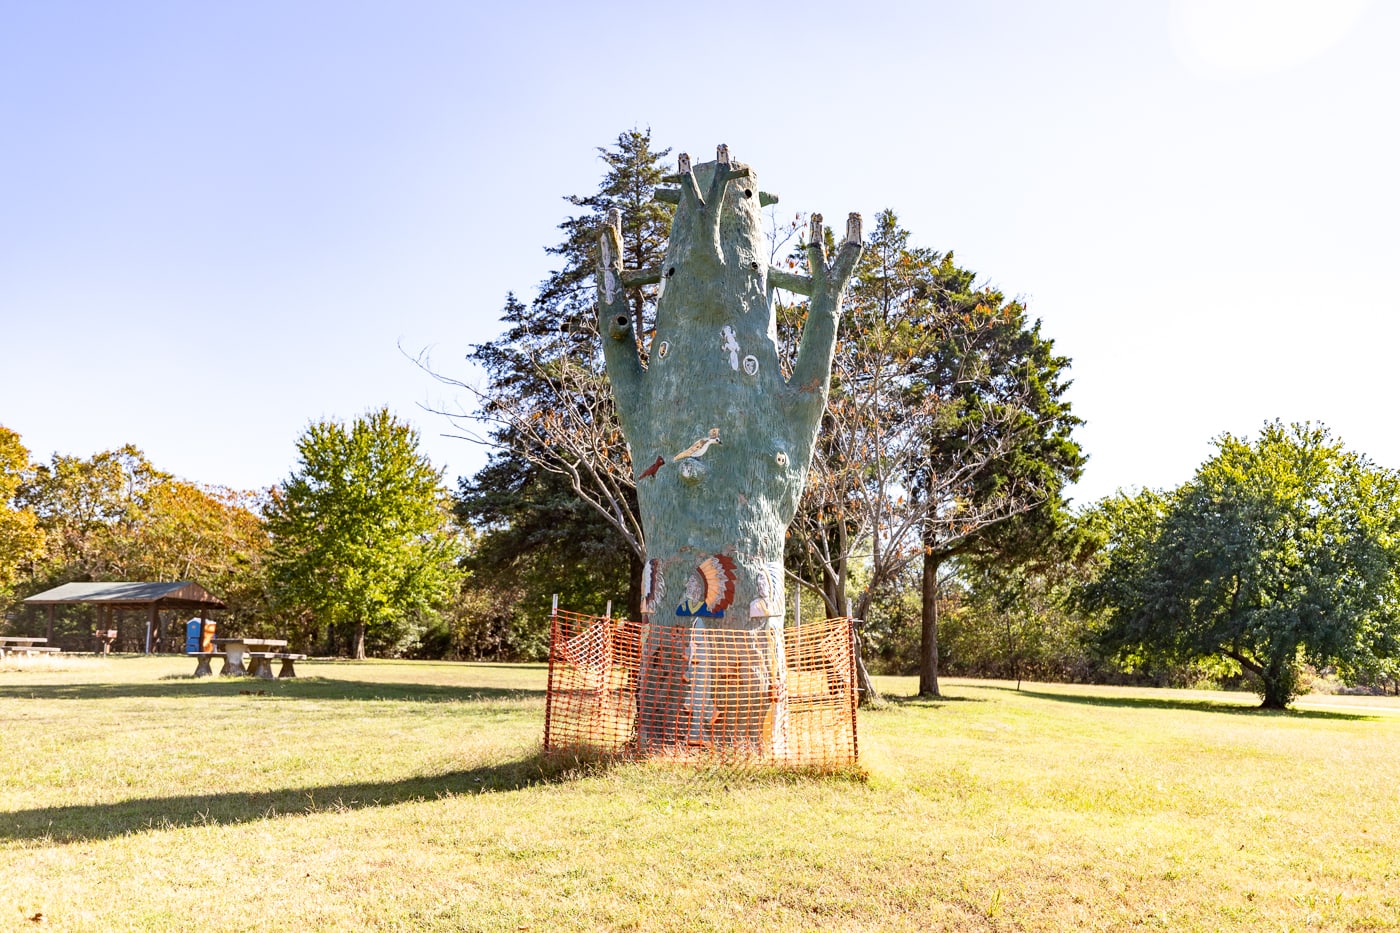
(720, 439)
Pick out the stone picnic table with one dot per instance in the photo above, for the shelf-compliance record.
(258, 652)
(25, 644)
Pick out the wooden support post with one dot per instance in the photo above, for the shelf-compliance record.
(48, 633)
(150, 627)
(549, 683)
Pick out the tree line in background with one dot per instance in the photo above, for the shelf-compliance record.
(355, 553)
(115, 516)
(933, 512)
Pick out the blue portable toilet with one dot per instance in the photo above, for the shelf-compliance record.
(193, 633)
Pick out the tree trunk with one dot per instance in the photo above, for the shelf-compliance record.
(1275, 696)
(866, 691)
(634, 586)
(869, 693)
(1280, 681)
(928, 638)
(360, 641)
(1278, 677)
(1013, 652)
(834, 595)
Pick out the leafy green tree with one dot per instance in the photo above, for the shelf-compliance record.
(361, 542)
(1015, 618)
(1377, 672)
(1277, 551)
(486, 620)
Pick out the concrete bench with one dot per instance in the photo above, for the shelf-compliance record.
(288, 664)
(24, 644)
(260, 663)
(202, 668)
(27, 650)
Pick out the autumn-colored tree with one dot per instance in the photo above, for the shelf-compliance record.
(210, 534)
(21, 539)
(89, 509)
(115, 516)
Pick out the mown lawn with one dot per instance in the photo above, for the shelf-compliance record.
(409, 796)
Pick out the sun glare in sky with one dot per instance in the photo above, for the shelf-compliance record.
(1255, 37)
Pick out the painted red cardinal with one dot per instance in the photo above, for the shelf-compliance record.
(651, 470)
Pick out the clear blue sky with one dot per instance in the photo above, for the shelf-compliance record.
(219, 221)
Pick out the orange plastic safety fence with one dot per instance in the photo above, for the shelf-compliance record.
(631, 689)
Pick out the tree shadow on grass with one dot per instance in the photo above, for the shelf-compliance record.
(1198, 706)
(88, 822)
(308, 688)
(923, 702)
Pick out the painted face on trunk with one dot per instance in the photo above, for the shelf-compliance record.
(694, 602)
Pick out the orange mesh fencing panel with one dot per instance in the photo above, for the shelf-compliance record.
(686, 691)
(591, 704)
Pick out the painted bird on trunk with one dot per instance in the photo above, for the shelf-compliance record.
(699, 447)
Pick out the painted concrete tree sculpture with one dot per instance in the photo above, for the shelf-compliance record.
(721, 440)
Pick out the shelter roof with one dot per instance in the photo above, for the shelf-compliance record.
(181, 594)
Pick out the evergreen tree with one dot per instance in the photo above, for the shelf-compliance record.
(1002, 451)
(553, 426)
(947, 430)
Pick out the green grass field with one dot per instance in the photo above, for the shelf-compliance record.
(410, 796)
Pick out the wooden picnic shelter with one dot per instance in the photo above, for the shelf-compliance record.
(115, 597)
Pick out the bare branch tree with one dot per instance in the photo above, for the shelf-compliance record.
(567, 427)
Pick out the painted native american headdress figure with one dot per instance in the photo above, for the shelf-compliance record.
(710, 588)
